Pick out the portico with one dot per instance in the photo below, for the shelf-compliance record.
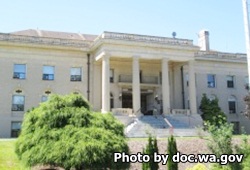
(133, 84)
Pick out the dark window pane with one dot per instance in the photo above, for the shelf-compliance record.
(230, 84)
(232, 107)
(75, 78)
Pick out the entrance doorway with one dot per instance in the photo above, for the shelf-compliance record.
(127, 101)
(147, 102)
(143, 103)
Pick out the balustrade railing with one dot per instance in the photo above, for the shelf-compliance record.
(122, 111)
(181, 111)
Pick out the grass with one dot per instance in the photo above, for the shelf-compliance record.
(8, 158)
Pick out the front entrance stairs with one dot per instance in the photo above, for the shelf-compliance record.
(161, 125)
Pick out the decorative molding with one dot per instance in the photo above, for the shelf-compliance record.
(44, 40)
(220, 55)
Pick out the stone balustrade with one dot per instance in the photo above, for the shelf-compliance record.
(122, 111)
(146, 38)
(181, 111)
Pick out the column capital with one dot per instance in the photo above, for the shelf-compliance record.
(165, 59)
(136, 57)
(102, 55)
(106, 56)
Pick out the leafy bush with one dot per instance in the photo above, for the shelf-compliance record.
(221, 143)
(172, 150)
(64, 132)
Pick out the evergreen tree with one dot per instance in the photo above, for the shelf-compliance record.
(150, 149)
(211, 112)
(64, 132)
(172, 150)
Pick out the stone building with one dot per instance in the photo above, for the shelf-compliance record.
(123, 73)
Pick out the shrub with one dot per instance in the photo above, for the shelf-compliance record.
(150, 149)
(221, 143)
(172, 150)
(64, 132)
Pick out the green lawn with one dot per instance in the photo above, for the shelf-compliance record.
(8, 158)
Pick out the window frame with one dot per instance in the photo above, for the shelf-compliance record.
(230, 81)
(209, 83)
(15, 131)
(16, 106)
(75, 77)
(232, 108)
(48, 76)
(21, 75)
(44, 96)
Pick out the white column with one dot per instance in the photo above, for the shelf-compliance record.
(192, 88)
(105, 84)
(136, 85)
(165, 87)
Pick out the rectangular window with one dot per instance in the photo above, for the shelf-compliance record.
(76, 74)
(19, 71)
(211, 80)
(232, 107)
(48, 72)
(160, 75)
(44, 98)
(246, 83)
(187, 80)
(111, 75)
(230, 81)
(246, 80)
(15, 129)
(18, 103)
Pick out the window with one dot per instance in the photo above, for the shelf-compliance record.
(211, 80)
(160, 75)
(48, 72)
(44, 98)
(19, 71)
(246, 80)
(232, 105)
(15, 129)
(76, 74)
(18, 103)
(230, 81)
(111, 101)
(111, 75)
(187, 79)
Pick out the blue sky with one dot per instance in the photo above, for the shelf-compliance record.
(223, 18)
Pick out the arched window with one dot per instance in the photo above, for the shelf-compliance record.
(232, 104)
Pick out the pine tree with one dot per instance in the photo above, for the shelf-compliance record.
(172, 150)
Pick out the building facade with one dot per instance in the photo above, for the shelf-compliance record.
(129, 73)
